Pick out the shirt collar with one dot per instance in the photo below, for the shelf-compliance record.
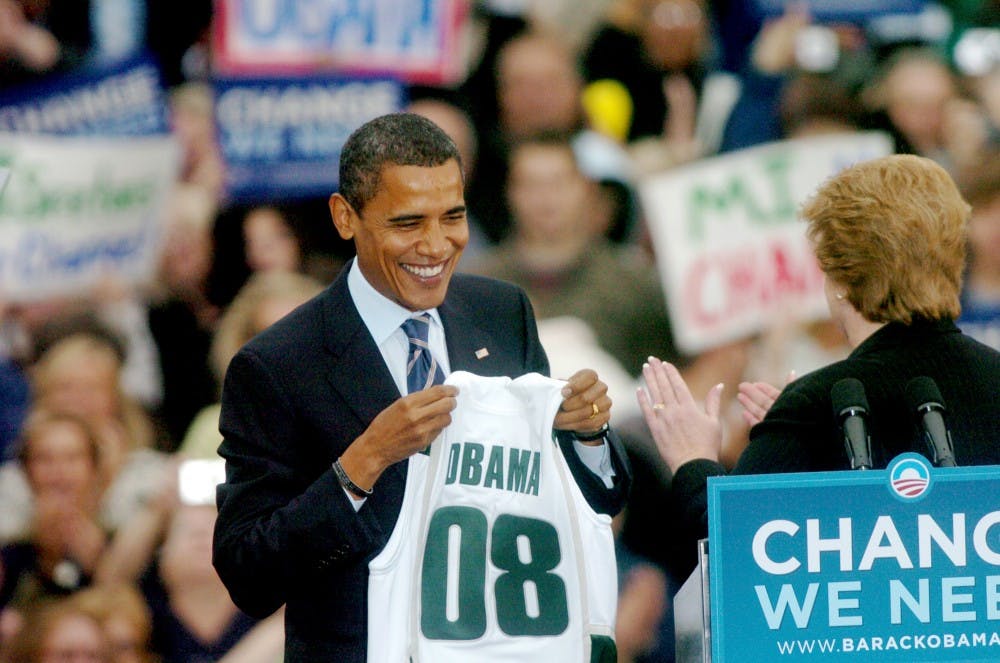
(381, 315)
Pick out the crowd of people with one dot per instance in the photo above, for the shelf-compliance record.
(104, 397)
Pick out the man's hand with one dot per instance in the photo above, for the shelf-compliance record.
(682, 430)
(404, 428)
(586, 406)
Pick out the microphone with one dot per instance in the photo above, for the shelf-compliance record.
(850, 407)
(925, 400)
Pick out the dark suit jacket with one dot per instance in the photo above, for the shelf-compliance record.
(801, 433)
(294, 398)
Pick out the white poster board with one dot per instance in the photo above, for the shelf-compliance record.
(79, 210)
(730, 248)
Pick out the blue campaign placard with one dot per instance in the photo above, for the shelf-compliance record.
(901, 564)
(416, 40)
(281, 136)
(846, 11)
(126, 98)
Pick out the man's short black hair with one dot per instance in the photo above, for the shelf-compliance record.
(401, 139)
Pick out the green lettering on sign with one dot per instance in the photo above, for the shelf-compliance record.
(741, 194)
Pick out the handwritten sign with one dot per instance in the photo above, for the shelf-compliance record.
(281, 137)
(731, 251)
(77, 210)
(416, 40)
(901, 564)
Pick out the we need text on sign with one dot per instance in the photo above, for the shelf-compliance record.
(901, 564)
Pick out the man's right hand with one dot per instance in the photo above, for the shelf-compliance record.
(404, 428)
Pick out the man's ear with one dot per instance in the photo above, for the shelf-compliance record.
(343, 216)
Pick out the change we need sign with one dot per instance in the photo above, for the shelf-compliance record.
(281, 137)
(121, 99)
(731, 251)
(901, 564)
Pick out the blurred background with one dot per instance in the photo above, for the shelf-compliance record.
(634, 165)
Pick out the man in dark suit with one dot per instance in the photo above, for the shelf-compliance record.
(316, 431)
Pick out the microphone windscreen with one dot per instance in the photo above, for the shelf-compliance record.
(922, 391)
(848, 394)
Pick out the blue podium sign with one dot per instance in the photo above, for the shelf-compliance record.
(901, 564)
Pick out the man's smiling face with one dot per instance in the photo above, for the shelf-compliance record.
(410, 235)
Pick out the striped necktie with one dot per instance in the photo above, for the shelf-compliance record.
(422, 369)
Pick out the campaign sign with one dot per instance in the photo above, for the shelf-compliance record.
(77, 211)
(731, 250)
(124, 99)
(901, 564)
(416, 40)
(281, 137)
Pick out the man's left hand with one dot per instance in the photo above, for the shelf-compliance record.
(586, 406)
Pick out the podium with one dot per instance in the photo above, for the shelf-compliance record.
(896, 565)
(692, 614)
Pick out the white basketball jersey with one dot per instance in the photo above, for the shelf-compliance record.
(496, 555)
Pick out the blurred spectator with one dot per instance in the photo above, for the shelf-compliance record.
(168, 548)
(111, 310)
(538, 86)
(270, 242)
(913, 90)
(79, 375)
(559, 256)
(181, 317)
(799, 79)
(539, 89)
(193, 616)
(972, 124)
(286, 228)
(41, 36)
(813, 104)
(192, 120)
(980, 187)
(60, 548)
(56, 633)
(122, 612)
(265, 299)
(658, 51)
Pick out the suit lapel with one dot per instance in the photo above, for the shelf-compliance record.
(470, 348)
(357, 370)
